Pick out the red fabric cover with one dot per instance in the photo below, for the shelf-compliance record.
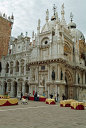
(80, 107)
(42, 99)
(24, 97)
(52, 102)
(8, 104)
(61, 105)
(67, 105)
(72, 107)
(31, 98)
(47, 102)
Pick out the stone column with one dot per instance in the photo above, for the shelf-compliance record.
(12, 94)
(48, 92)
(7, 86)
(19, 70)
(9, 70)
(76, 78)
(56, 90)
(63, 74)
(35, 88)
(77, 92)
(59, 72)
(50, 50)
(14, 69)
(56, 73)
(58, 48)
(37, 73)
(83, 78)
(30, 74)
(48, 72)
(30, 89)
(23, 88)
(25, 68)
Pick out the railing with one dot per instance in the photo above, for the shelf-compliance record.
(48, 57)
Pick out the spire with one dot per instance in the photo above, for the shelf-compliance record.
(12, 17)
(54, 9)
(62, 11)
(54, 16)
(47, 15)
(38, 28)
(71, 16)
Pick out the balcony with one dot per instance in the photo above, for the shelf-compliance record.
(48, 57)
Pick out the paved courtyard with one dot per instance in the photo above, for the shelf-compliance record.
(40, 115)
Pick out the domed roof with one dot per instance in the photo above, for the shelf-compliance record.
(78, 34)
(71, 25)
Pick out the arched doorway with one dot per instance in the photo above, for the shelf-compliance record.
(69, 90)
(15, 89)
(66, 89)
(26, 88)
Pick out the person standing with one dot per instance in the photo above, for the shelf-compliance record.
(63, 97)
(57, 96)
(21, 95)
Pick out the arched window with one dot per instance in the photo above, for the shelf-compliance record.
(17, 66)
(7, 68)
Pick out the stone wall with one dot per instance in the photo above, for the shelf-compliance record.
(5, 31)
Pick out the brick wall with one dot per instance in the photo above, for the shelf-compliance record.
(5, 32)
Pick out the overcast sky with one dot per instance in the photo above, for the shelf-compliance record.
(27, 12)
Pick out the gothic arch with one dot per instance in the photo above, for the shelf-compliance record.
(17, 66)
(7, 67)
(67, 47)
(69, 77)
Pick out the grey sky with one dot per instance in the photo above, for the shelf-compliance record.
(27, 12)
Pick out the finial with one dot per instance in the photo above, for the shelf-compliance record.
(54, 9)
(71, 16)
(12, 17)
(33, 34)
(63, 7)
(47, 15)
(26, 33)
(39, 23)
(4, 15)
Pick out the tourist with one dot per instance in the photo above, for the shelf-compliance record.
(51, 95)
(43, 94)
(63, 97)
(21, 95)
(57, 96)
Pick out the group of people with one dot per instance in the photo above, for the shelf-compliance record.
(37, 95)
(56, 96)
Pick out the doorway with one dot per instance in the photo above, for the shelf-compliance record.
(15, 89)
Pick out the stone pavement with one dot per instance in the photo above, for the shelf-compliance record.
(40, 115)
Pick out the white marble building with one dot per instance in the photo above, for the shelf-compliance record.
(58, 48)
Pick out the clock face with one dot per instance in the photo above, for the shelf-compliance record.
(19, 47)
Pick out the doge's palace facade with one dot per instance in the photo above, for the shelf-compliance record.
(53, 62)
